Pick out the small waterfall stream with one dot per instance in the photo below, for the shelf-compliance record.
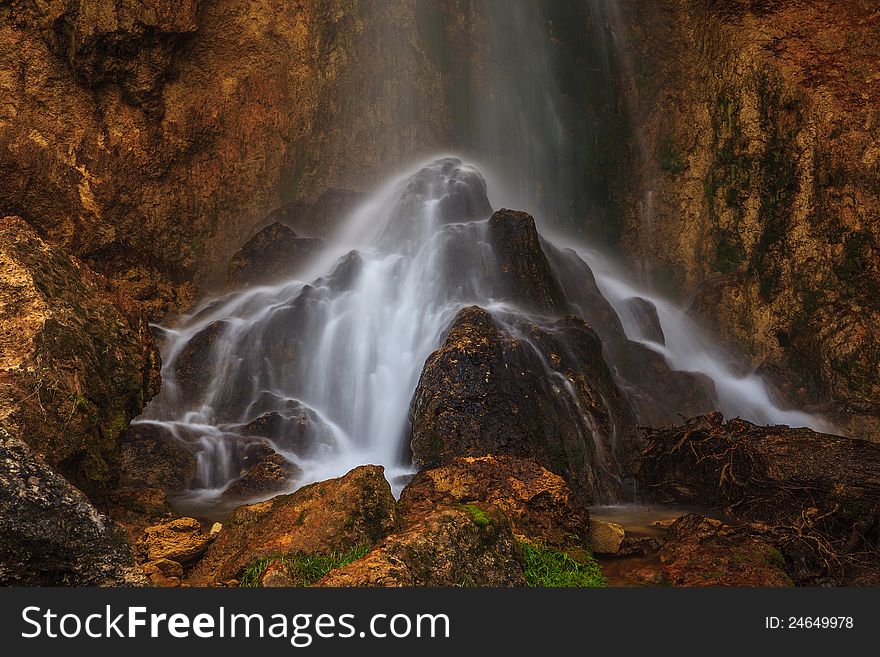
(324, 365)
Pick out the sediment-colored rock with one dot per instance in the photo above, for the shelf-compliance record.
(538, 503)
(449, 547)
(181, 540)
(334, 515)
(606, 537)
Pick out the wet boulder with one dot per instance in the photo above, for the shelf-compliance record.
(700, 551)
(449, 547)
(508, 386)
(193, 366)
(334, 515)
(265, 472)
(539, 503)
(276, 253)
(645, 317)
(77, 360)
(50, 534)
(524, 272)
(150, 456)
(658, 394)
(317, 218)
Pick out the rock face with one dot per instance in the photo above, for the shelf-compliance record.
(760, 144)
(538, 503)
(701, 551)
(489, 391)
(78, 360)
(449, 547)
(801, 482)
(150, 138)
(334, 515)
(50, 534)
(272, 255)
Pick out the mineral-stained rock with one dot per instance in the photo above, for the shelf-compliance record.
(538, 502)
(181, 540)
(50, 534)
(130, 43)
(78, 361)
(274, 254)
(334, 515)
(700, 551)
(525, 390)
(449, 547)
(606, 537)
(762, 153)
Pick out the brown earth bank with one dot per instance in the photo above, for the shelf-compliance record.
(759, 133)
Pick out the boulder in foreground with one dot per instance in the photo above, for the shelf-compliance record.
(538, 502)
(450, 547)
(50, 534)
(329, 516)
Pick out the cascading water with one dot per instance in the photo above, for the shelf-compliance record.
(323, 366)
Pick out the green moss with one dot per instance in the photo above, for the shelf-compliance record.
(775, 558)
(303, 569)
(670, 159)
(480, 517)
(546, 567)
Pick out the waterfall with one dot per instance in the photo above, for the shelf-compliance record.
(329, 359)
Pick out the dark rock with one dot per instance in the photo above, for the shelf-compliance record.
(645, 314)
(538, 503)
(449, 547)
(700, 551)
(820, 492)
(318, 218)
(525, 274)
(77, 360)
(461, 191)
(295, 429)
(50, 534)
(193, 366)
(658, 394)
(151, 457)
(274, 254)
(334, 515)
(267, 473)
(522, 390)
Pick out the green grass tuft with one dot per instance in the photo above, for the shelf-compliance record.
(546, 567)
(304, 569)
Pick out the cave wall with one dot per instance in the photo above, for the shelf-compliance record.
(758, 188)
(150, 137)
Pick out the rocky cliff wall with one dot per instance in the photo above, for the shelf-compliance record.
(759, 132)
(150, 137)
